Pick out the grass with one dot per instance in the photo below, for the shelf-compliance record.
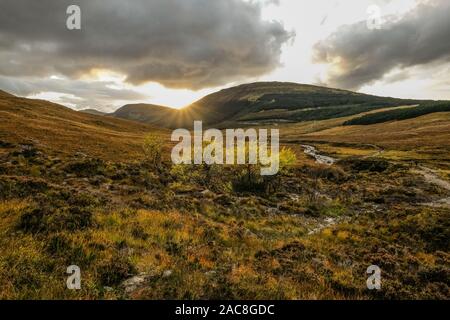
(53, 127)
(224, 244)
(190, 233)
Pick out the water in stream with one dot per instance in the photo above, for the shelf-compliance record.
(312, 151)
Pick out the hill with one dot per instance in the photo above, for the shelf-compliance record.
(278, 101)
(147, 113)
(53, 127)
(4, 94)
(427, 135)
(262, 102)
(94, 112)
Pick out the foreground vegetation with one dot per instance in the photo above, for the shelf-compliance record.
(145, 229)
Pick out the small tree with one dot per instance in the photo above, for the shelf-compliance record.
(248, 176)
(287, 158)
(153, 148)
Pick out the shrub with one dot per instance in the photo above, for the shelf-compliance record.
(114, 270)
(46, 219)
(86, 168)
(372, 165)
(153, 148)
(21, 187)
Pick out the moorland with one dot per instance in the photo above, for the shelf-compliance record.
(100, 192)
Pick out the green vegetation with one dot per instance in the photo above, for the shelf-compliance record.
(316, 114)
(325, 99)
(153, 149)
(400, 114)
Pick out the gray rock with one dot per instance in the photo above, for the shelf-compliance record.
(167, 273)
(133, 283)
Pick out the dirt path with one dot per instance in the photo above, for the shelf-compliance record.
(431, 177)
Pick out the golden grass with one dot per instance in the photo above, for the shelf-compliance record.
(53, 127)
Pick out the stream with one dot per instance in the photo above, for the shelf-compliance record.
(312, 151)
(429, 174)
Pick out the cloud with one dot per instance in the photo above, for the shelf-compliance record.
(190, 44)
(359, 56)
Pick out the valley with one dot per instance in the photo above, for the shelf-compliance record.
(81, 189)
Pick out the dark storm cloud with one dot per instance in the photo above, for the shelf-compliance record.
(178, 43)
(360, 56)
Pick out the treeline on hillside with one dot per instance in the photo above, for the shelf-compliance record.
(400, 114)
(316, 114)
(294, 101)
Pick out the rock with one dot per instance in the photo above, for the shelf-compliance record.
(317, 261)
(224, 200)
(330, 220)
(211, 273)
(167, 273)
(272, 211)
(133, 283)
(208, 193)
(80, 155)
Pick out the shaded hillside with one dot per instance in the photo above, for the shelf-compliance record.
(147, 113)
(281, 100)
(93, 111)
(263, 102)
(50, 126)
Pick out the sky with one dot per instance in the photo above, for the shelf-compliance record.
(173, 52)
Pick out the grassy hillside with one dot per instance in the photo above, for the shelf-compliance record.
(54, 127)
(401, 114)
(288, 101)
(423, 139)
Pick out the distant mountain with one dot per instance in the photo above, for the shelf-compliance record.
(94, 112)
(262, 102)
(147, 113)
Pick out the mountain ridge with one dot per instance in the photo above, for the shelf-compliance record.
(282, 101)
